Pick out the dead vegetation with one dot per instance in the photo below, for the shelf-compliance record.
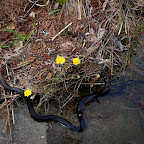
(99, 32)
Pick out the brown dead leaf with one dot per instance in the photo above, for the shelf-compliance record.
(49, 75)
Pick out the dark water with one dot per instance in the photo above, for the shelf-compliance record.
(117, 119)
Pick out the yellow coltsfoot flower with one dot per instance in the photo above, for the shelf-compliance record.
(60, 60)
(27, 92)
(76, 61)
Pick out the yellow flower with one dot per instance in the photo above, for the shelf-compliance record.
(27, 92)
(76, 61)
(60, 60)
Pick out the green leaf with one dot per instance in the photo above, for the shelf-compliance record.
(8, 30)
(30, 34)
(61, 1)
(1, 45)
(15, 42)
(54, 11)
(120, 28)
(5, 46)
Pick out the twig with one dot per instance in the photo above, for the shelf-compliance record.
(20, 66)
(7, 71)
(13, 119)
(13, 96)
(66, 102)
(94, 83)
(39, 4)
(30, 8)
(18, 72)
(79, 11)
(61, 31)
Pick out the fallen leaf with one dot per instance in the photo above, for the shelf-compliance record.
(49, 75)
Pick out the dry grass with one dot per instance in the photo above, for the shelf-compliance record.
(31, 64)
(89, 35)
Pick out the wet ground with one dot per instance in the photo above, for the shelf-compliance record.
(117, 119)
